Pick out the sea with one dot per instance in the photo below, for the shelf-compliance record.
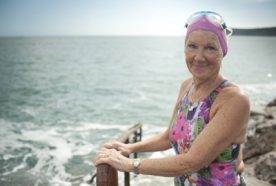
(62, 98)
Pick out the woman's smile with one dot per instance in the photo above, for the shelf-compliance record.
(200, 64)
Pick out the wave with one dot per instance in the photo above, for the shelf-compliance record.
(51, 151)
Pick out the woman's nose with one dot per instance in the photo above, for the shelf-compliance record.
(199, 55)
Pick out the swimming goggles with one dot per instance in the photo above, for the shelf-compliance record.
(212, 17)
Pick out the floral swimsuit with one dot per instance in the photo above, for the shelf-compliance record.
(187, 124)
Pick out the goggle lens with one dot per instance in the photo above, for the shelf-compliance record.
(213, 17)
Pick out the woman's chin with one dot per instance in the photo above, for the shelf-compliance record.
(199, 72)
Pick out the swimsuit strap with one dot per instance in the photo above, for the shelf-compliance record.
(213, 95)
(188, 90)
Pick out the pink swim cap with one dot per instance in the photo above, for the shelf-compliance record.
(204, 23)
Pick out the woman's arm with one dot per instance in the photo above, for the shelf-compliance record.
(222, 131)
(157, 142)
(154, 143)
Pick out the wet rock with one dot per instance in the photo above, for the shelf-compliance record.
(262, 141)
(272, 103)
(259, 150)
(265, 168)
(255, 112)
(271, 111)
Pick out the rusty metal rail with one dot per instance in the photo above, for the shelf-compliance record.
(107, 175)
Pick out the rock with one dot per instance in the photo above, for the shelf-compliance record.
(262, 141)
(259, 150)
(269, 114)
(272, 103)
(251, 181)
(271, 111)
(257, 113)
(265, 168)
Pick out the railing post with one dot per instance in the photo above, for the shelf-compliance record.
(106, 175)
(127, 175)
(137, 137)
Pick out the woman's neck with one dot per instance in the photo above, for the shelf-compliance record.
(202, 88)
(199, 84)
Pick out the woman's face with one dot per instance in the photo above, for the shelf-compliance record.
(203, 54)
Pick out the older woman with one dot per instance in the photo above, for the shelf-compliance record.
(209, 121)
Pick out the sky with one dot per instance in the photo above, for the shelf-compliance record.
(124, 17)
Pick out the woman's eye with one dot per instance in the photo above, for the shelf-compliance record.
(192, 46)
(211, 48)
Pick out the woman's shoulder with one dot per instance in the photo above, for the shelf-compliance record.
(231, 99)
(233, 93)
(234, 90)
(183, 88)
(185, 84)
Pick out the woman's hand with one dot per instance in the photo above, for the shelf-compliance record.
(123, 148)
(114, 158)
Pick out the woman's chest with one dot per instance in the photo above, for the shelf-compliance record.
(188, 123)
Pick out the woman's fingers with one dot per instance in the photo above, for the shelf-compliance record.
(112, 145)
(118, 146)
(103, 156)
(123, 151)
(112, 153)
(108, 145)
(112, 157)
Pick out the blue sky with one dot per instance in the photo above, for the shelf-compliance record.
(124, 17)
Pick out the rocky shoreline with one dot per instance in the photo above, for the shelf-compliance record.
(260, 148)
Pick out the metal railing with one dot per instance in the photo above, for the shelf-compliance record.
(107, 175)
